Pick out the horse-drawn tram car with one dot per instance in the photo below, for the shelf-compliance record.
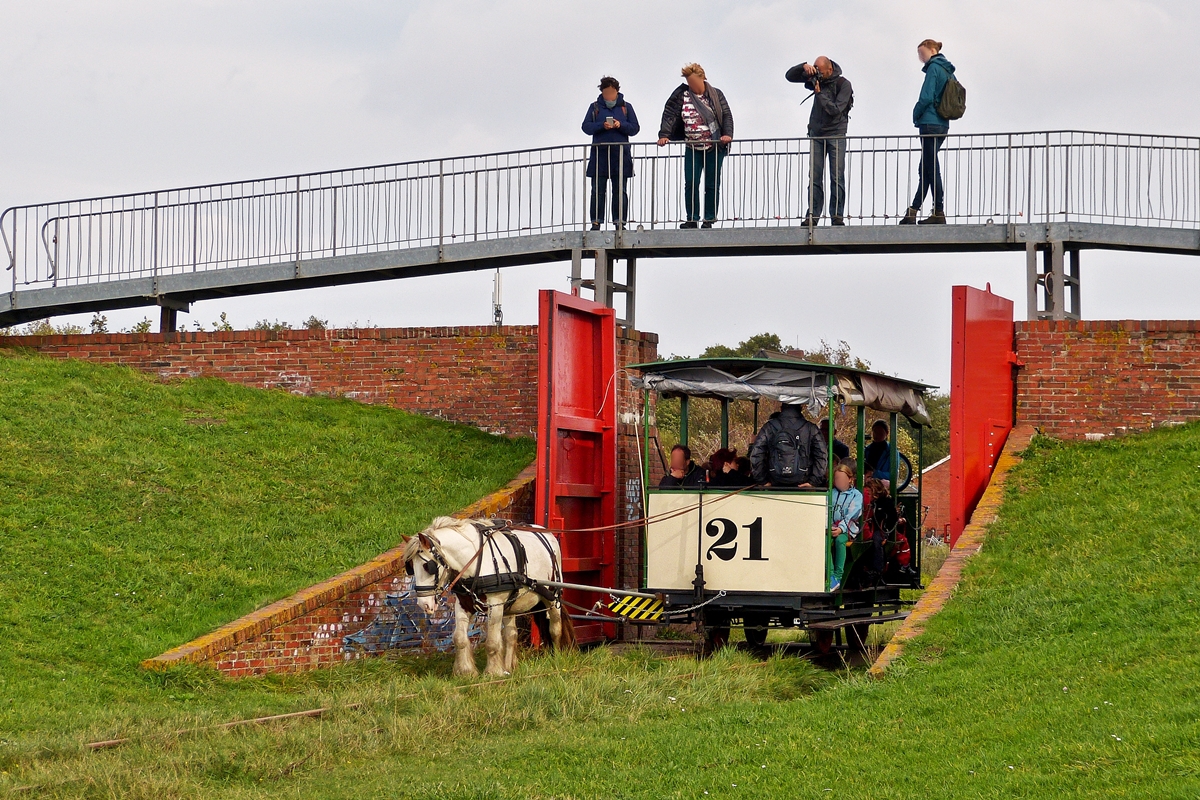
(762, 556)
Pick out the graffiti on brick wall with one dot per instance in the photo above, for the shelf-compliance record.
(633, 498)
(401, 625)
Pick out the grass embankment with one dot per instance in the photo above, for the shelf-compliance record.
(136, 515)
(1067, 665)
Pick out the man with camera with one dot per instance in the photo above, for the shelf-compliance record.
(833, 97)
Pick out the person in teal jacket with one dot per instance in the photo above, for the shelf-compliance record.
(847, 520)
(933, 129)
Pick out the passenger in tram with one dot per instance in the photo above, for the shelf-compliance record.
(879, 521)
(847, 518)
(610, 121)
(684, 474)
(723, 470)
(698, 114)
(789, 452)
(877, 457)
(840, 450)
(745, 470)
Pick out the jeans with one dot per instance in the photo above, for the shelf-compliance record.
(839, 555)
(620, 198)
(706, 163)
(929, 173)
(832, 150)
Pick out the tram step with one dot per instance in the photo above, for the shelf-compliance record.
(834, 624)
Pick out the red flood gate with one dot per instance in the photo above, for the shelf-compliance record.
(576, 456)
(981, 395)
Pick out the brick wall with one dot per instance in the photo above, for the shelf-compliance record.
(1106, 378)
(306, 630)
(935, 495)
(481, 376)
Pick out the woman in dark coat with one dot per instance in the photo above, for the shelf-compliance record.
(610, 121)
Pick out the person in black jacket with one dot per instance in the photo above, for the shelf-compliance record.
(833, 96)
(610, 121)
(684, 474)
(698, 114)
(790, 452)
(723, 470)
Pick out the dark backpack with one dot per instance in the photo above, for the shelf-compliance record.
(789, 455)
(954, 100)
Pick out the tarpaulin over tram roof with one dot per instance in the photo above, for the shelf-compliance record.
(777, 377)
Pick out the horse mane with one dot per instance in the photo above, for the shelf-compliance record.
(465, 527)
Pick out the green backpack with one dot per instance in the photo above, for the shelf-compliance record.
(954, 100)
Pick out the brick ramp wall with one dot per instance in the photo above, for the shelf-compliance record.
(1107, 378)
(305, 631)
(481, 375)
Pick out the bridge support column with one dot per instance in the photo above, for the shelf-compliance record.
(168, 316)
(604, 284)
(1052, 291)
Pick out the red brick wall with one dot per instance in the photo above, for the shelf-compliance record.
(481, 376)
(935, 495)
(1106, 378)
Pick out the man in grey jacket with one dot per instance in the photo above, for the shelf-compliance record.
(833, 97)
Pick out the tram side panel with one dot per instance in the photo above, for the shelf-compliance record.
(749, 542)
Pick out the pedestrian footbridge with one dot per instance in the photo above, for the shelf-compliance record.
(1055, 193)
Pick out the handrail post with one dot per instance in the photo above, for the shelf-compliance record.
(154, 244)
(297, 226)
(441, 206)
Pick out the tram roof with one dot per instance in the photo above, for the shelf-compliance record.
(776, 376)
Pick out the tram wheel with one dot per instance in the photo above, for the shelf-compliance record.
(822, 640)
(755, 628)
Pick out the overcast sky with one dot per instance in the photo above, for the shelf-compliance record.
(101, 98)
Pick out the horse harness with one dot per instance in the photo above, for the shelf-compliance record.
(512, 578)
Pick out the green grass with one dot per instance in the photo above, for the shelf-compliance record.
(1067, 665)
(136, 515)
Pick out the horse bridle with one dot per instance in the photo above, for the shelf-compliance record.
(433, 566)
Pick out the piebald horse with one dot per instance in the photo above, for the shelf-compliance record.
(493, 569)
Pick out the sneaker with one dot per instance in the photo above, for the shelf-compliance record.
(936, 218)
(691, 223)
(708, 223)
(910, 217)
(595, 226)
(619, 226)
(834, 585)
(839, 221)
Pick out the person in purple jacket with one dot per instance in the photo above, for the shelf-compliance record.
(610, 121)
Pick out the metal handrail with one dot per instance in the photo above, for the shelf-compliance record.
(1030, 176)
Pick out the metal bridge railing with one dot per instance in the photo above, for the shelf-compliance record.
(1051, 176)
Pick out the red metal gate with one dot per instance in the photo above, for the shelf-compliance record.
(577, 452)
(981, 395)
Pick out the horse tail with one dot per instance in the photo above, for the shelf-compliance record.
(567, 639)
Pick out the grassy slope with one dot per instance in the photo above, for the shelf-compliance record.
(135, 515)
(1075, 626)
(1067, 665)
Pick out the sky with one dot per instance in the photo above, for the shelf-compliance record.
(102, 98)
